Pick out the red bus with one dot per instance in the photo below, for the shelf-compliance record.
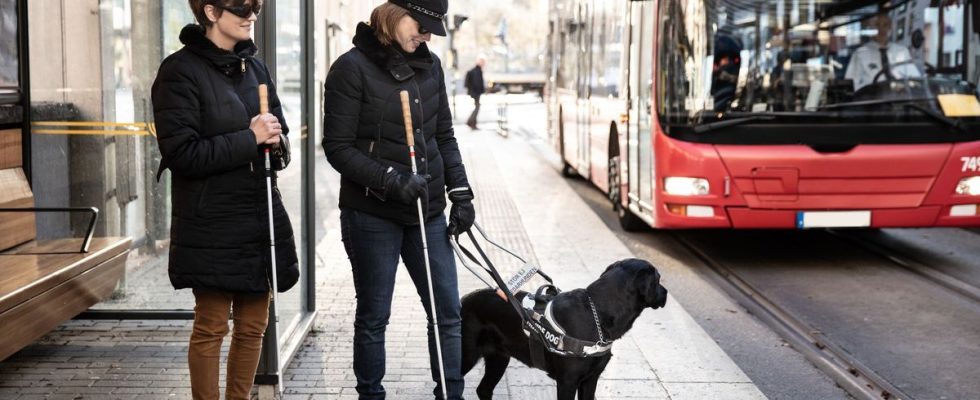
(770, 114)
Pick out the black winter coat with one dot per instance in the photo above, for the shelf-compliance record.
(203, 101)
(364, 131)
(474, 82)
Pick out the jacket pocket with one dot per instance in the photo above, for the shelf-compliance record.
(368, 191)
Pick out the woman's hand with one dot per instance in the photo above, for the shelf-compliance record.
(404, 187)
(266, 128)
(461, 217)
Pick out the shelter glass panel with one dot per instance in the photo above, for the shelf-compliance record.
(9, 54)
(289, 63)
(93, 63)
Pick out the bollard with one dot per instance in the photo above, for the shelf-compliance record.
(502, 127)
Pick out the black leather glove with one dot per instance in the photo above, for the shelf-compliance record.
(404, 187)
(461, 217)
(462, 214)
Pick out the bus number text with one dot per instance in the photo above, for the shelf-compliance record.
(970, 163)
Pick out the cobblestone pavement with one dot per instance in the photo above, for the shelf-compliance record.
(521, 202)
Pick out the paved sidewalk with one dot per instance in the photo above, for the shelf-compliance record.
(521, 201)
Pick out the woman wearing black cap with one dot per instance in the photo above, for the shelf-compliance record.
(364, 139)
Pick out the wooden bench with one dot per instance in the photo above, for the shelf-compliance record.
(45, 282)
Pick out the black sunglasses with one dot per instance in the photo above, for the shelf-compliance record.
(244, 10)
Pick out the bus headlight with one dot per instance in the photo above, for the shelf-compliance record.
(969, 186)
(682, 186)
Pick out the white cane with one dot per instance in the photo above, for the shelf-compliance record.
(410, 138)
(264, 109)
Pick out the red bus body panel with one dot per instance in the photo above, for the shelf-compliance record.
(902, 185)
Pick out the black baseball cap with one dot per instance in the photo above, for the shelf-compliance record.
(429, 13)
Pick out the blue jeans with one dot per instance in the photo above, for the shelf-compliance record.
(373, 245)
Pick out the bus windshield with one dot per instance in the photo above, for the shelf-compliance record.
(815, 61)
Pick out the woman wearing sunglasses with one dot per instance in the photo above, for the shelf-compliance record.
(364, 139)
(211, 136)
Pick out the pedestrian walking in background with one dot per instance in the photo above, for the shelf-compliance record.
(211, 137)
(364, 139)
(475, 87)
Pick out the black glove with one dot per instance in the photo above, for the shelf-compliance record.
(404, 187)
(461, 217)
(462, 214)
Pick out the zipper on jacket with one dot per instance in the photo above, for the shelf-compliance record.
(421, 130)
(425, 149)
(251, 165)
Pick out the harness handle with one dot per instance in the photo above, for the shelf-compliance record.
(465, 254)
(501, 286)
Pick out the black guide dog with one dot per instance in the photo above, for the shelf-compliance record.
(492, 329)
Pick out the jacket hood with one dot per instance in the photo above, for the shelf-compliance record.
(391, 58)
(192, 36)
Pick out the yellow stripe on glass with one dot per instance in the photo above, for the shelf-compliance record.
(90, 128)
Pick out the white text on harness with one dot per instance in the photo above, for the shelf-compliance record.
(546, 334)
(551, 337)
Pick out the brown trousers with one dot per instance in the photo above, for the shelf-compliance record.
(250, 314)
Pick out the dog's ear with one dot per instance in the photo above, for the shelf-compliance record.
(613, 265)
(654, 293)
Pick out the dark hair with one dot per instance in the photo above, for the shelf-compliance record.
(197, 7)
(384, 20)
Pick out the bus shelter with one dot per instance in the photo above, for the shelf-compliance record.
(75, 78)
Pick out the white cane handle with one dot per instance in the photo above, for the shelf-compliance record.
(263, 99)
(407, 115)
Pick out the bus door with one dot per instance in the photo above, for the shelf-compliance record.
(639, 138)
(949, 47)
(566, 83)
(583, 109)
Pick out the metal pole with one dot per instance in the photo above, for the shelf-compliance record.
(410, 138)
(24, 54)
(264, 109)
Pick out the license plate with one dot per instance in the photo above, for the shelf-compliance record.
(833, 219)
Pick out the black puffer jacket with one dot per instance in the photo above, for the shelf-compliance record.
(364, 131)
(203, 101)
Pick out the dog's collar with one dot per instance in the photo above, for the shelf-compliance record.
(595, 317)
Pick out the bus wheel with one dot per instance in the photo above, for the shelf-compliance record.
(614, 182)
(567, 170)
(627, 220)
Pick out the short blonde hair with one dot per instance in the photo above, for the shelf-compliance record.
(384, 20)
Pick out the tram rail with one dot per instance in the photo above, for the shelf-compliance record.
(896, 256)
(847, 371)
